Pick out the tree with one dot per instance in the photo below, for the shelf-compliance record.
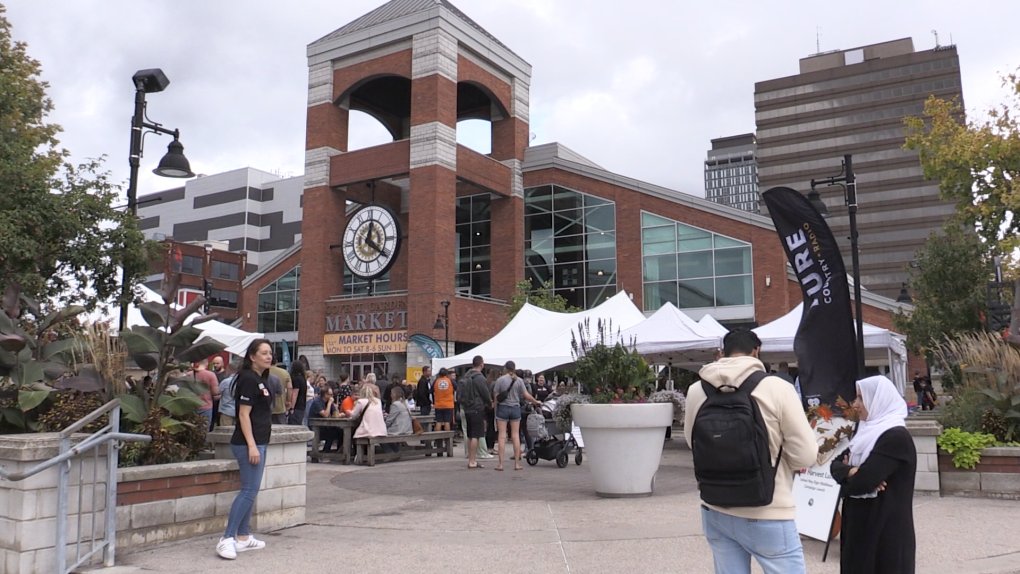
(975, 163)
(61, 238)
(948, 290)
(542, 297)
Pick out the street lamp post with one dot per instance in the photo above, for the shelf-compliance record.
(848, 182)
(443, 322)
(173, 164)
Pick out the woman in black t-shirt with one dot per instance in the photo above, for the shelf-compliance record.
(251, 435)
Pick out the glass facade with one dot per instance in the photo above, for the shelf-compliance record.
(691, 267)
(570, 239)
(733, 182)
(278, 304)
(354, 285)
(474, 245)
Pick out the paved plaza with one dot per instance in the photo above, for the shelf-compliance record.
(434, 515)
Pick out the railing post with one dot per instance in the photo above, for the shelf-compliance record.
(112, 452)
(63, 487)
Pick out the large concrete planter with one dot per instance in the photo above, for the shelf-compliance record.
(624, 445)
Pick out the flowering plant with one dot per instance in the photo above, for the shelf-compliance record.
(561, 414)
(676, 397)
(608, 371)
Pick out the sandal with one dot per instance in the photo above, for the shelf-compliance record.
(518, 467)
(475, 466)
(499, 468)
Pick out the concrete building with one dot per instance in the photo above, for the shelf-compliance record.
(472, 225)
(251, 210)
(731, 172)
(854, 102)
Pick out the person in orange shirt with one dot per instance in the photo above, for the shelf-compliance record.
(442, 400)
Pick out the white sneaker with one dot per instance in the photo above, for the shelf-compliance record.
(250, 544)
(226, 548)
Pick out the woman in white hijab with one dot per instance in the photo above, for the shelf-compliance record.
(877, 474)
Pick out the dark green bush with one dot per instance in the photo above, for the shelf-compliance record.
(965, 410)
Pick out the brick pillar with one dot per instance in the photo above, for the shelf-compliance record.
(324, 209)
(433, 191)
(509, 140)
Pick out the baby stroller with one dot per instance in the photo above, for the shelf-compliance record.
(550, 443)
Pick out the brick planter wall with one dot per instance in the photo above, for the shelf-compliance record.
(996, 476)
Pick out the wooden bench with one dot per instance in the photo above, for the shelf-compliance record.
(436, 442)
(346, 425)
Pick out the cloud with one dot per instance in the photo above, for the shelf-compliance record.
(639, 87)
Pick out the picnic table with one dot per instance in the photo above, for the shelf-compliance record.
(347, 424)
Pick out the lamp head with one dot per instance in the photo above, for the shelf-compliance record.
(904, 296)
(445, 303)
(816, 201)
(439, 323)
(174, 164)
(150, 81)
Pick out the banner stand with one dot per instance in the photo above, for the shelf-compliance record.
(835, 513)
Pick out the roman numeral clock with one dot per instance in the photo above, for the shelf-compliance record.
(371, 241)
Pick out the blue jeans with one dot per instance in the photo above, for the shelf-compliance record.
(251, 478)
(774, 543)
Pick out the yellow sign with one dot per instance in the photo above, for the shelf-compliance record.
(413, 375)
(357, 343)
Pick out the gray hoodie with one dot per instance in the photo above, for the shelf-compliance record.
(786, 422)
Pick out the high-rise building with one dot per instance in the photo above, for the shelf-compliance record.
(731, 172)
(854, 102)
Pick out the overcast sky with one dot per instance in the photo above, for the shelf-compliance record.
(639, 87)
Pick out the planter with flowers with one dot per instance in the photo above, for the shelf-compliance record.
(623, 430)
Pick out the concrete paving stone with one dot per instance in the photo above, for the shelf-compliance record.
(282, 476)
(195, 507)
(147, 514)
(269, 500)
(927, 481)
(540, 520)
(224, 500)
(294, 496)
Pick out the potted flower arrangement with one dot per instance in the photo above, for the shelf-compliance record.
(623, 429)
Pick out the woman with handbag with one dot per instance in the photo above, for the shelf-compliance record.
(399, 421)
(509, 393)
(369, 410)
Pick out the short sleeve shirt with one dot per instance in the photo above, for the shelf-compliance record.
(250, 390)
(442, 392)
(515, 396)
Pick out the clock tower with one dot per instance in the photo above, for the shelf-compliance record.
(402, 227)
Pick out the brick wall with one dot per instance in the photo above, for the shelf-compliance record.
(473, 321)
(397, 64)
(468, 71)
(138, 491)
(370, 163)
(483, 170)
(327, 126)
(249, 310)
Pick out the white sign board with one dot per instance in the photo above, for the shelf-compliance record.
(576, 431)
(816, 495)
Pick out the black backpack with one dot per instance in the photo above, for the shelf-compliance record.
(732, 462)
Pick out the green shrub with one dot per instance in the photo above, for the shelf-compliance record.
(965, 410)
(966, 446)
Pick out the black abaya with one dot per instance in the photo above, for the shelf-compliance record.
(877, 536)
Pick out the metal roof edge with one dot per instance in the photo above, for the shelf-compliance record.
(652, 190)
(273, 263)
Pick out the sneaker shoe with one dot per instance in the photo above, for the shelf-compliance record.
(250, 544)
(226, 548)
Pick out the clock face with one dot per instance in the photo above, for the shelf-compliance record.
(371, 240)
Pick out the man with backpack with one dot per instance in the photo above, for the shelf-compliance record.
(749, 434)
(474, 396)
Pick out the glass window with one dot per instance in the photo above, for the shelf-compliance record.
(223, 298)
(224, 270)
(474, 239)
(188, 264)
(570, 239)
(693, 267)
(278, 303)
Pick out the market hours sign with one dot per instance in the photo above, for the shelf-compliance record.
(357, 343)
(370, 326)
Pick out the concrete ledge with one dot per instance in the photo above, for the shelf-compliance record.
(923, 427)
(282, 434)
(33, 446)
(1001, 451)
(156, 471)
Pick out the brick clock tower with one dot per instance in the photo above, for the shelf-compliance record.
(419, 67)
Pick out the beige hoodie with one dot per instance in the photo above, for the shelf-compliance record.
(787, 425)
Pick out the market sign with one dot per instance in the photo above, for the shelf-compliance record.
(358, 343)
(359, 316)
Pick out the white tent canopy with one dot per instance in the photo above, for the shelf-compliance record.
(881, 346)
(538, 340)
(709, 323)
(669, 336)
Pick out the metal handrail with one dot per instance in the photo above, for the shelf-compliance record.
(109, 436)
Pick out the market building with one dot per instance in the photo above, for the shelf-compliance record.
(392, 232)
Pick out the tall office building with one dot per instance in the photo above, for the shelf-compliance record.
(854, 102)
(731, 172)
